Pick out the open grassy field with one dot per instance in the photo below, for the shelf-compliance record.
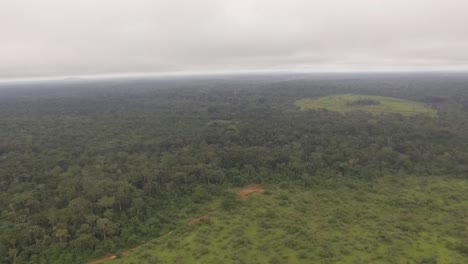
(395, 219)
(367, 103)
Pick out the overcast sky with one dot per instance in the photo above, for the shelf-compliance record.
(83, 37)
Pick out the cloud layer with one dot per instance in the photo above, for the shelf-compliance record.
(56, 37)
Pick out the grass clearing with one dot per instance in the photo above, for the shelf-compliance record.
(367, 103)
(395, 219)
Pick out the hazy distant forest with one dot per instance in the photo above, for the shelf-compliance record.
(93, 167)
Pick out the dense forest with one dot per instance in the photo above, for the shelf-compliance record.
(89, 167)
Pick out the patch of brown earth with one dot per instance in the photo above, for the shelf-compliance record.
(250, 189)
(106, 258)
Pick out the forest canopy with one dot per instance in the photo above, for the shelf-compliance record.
(93, 167)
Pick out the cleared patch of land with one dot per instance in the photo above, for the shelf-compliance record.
(243, 194)
(367, 103)
(395, 219)
(229, 125)
(250, 189)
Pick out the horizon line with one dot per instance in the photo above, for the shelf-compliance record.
(226, 72)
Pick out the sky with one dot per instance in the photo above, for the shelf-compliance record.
(40, 38)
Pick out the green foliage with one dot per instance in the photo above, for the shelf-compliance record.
(365, 223)
(92, 168)
(229, 203)
(366, 103)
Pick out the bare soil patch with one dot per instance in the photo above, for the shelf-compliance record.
(250, 189)
(102, 259)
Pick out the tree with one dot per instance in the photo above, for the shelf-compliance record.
(106, 201)
(105, 226)
(61, 233)
(84, 242)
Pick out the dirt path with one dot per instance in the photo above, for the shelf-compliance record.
(244, 193)
(250, 189)
(102, 259)
(198, 219)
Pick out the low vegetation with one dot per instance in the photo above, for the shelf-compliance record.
(366, 103)
(394, 219)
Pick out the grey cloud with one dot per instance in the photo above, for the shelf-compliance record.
(56, 37)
